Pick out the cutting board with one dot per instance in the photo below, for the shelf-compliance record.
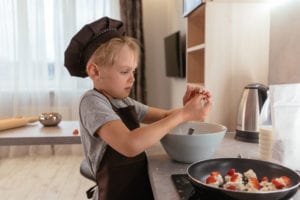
(14, 122)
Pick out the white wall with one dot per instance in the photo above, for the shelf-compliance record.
(236, 54)
(164, 17)
(285, 43)
(161, 18)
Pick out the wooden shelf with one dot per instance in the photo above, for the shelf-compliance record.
(195, 48)
(195, 51)
(195, 68)
(196, 27)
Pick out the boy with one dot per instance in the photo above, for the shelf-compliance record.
(114, 143)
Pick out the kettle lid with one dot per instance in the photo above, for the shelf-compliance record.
(257, 86)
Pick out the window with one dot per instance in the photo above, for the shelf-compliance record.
(33, 36)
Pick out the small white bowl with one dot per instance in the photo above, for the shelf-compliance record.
(200, 145)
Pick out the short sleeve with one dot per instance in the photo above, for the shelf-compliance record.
(95, 110)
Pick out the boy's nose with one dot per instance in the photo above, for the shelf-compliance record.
(132, 77)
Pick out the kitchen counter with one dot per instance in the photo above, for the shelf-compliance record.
(37, 134)
(161, 166)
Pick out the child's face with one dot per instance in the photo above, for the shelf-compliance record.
(116, 81)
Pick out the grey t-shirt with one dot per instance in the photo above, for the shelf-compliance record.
(94, 111)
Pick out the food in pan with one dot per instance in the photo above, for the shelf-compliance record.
(215, 179)
(247, 181)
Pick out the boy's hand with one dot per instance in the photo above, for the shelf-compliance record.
(192, 91)
(198, 107)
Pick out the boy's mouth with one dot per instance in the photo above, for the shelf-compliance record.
(128, 89)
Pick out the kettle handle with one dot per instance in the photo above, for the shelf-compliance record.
(263, 91)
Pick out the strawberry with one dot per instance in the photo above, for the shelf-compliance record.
(210, 179)
(231, 172)
(277, 183)
(255, 183)
(231, 187)
(286, 180)
(215, 173)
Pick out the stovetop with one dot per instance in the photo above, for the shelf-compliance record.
(186, 190)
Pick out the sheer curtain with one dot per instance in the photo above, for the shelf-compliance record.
(33, 37)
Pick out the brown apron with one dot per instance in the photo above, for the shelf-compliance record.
(121, 177)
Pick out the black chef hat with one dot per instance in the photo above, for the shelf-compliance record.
(87, 40)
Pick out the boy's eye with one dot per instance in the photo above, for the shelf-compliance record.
(124, 72)
(128, 71)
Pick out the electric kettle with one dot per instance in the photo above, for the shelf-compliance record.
(252, 100)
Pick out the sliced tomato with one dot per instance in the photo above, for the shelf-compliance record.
(210, 179)
(75, 131)
(255, 183)
(277, 183)
(231, 187)
(231, 172)
(265, 179)
(215, 173)
(234, 177)
(286, 180)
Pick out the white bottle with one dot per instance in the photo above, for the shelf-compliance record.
(265, 141)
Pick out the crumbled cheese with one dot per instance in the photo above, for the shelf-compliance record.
(250, 173)
(248, 182)
(267, 186)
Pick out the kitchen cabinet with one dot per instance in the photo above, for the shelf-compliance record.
(227, 48)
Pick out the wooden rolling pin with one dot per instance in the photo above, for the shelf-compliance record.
(8, 123)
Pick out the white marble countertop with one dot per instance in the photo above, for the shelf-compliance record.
(161, 166)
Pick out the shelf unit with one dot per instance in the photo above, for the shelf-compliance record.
(195, 51)
(227, 47)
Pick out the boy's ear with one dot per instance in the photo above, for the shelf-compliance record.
(93, 70)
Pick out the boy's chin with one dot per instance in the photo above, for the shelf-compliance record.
(121, 96)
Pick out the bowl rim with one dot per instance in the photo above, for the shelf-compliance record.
(223, 129)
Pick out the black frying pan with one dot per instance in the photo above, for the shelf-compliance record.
(199, 171)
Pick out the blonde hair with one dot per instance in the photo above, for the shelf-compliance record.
(105, 54)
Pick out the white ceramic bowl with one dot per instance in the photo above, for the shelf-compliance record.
(200, 145)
